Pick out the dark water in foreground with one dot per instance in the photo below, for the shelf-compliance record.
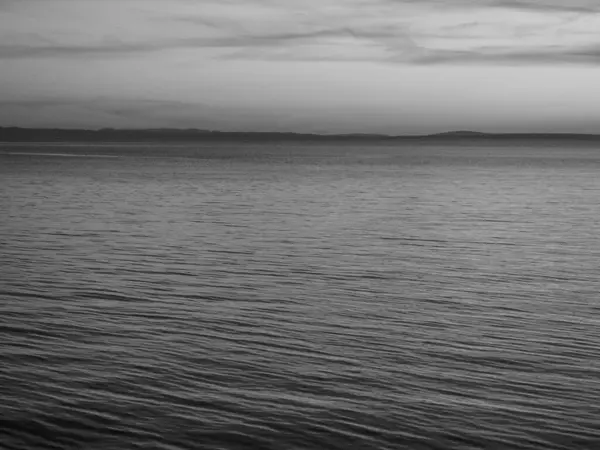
(300, 298)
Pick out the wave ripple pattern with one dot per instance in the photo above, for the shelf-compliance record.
(300, 298)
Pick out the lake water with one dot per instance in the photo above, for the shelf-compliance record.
(299, 297)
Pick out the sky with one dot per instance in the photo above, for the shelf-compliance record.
(321, 66)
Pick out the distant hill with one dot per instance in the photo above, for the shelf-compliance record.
(16, 134)
(474, 135)
(459, 134)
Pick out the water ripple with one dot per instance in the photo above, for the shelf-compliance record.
(231, 298)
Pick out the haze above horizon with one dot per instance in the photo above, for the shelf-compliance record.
(308, 66)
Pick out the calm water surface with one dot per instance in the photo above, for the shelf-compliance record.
(299, 297)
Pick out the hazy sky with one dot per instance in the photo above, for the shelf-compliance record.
(392, 66)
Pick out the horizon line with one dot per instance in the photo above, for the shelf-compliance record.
(200, 131)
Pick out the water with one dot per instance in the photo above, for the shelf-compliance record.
(299, 297)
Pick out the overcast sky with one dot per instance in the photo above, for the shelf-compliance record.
(391, 66)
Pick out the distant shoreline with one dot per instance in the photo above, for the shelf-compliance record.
(55, 135)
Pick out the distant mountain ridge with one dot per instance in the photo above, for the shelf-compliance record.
(461, 133)
(17, 134)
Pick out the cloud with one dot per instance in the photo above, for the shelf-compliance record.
(386, 31)
(585, 6)
(72, 111)
(582, 56)
(108, 112)
(17, 51)
(271, 40)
